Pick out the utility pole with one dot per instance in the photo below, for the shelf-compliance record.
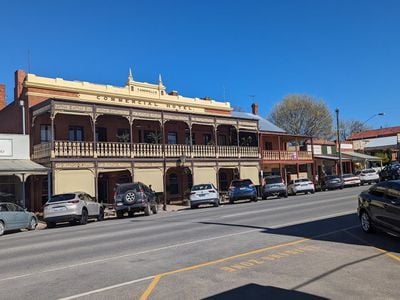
(339, 146)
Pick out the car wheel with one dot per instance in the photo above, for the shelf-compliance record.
(264, 197)
(313, 191)
(147, 210)
(50, 224)
(366, 224)
(84, 217)
(231, 201)
(100, 217)
(192, 206)
(120, 214)
(32, 224)
(154, 209)
(255, 199)
(285, 195)
(1, 228)
(131, 214)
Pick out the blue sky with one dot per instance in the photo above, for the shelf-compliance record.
(345, 52)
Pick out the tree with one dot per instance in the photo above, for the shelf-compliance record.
(347, 128)
(303, 115)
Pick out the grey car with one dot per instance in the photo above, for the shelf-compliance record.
(274, 186)
(14, 217)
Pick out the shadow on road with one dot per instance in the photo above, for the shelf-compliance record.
(331, 230)
(255, 291)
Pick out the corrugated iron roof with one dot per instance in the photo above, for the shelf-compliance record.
(264, 124)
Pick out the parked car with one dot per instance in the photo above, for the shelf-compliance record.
(204, 194)
(331, 182)
(351, 180)
(134, 197)
(72, 207)
(14, 217)
(242, 189)
(379, 207)
(274, 186)
(368, 176)
(391, 171)
(302, 185)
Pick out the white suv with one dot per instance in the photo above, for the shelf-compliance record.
(72, 207)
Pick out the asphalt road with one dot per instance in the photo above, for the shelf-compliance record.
(302, 247)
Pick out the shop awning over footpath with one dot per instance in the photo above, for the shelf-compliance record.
(20, 167)
(355, 156)
(332, 157)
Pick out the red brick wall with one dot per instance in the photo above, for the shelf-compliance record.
(2, 96)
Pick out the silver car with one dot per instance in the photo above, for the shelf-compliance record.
(204, 194)
(14, 217)
(72, 208)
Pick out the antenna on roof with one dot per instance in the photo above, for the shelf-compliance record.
(29, 60)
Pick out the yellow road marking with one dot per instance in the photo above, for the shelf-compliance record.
(387, 253)
(153, 284)
(156, 279)
(150, 288)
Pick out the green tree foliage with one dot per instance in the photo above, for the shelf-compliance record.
(303, 115)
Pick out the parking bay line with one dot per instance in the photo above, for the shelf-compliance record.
(154, 282)
(387, 253)
(157, 277)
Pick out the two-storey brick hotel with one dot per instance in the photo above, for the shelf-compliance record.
(94, 136)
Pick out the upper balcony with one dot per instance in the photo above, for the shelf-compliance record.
(286, 156)
(74, 149)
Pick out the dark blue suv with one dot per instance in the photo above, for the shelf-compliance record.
(242, 189)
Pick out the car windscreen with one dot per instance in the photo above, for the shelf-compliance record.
(122, 189)
(201, 187)
(301, 180)
(62, 197)
(241, 183)
(331, 177)
(269, 180)
(367, 171)
(348, 175)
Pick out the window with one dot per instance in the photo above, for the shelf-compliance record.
(207, 139)
(222, 140)
(75, 133)
(187, 139)
(101, 134)
(223, 181)
(172, 138)
(173, 184)
(45, 133)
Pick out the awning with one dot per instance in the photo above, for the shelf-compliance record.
(331, 157)
(360, 156)
(21, 166)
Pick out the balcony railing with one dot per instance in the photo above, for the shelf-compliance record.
(286, 155)
(126, 150)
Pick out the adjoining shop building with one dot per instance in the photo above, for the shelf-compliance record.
(18, 174)
(93, 136)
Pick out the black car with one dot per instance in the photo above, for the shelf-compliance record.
(391, 171)
(379, 207)
(331, 182)
(134, 197)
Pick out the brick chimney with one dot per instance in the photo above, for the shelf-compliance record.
(2, 96)
(19, 80)
(254, 108)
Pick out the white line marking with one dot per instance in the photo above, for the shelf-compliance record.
(107, 288)
(127, 255)
(151, 277)
(166, 247)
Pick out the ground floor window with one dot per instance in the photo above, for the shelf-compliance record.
(173, 184)
(10, 189)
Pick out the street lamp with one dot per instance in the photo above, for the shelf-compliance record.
(338, 141)
(373, 116)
